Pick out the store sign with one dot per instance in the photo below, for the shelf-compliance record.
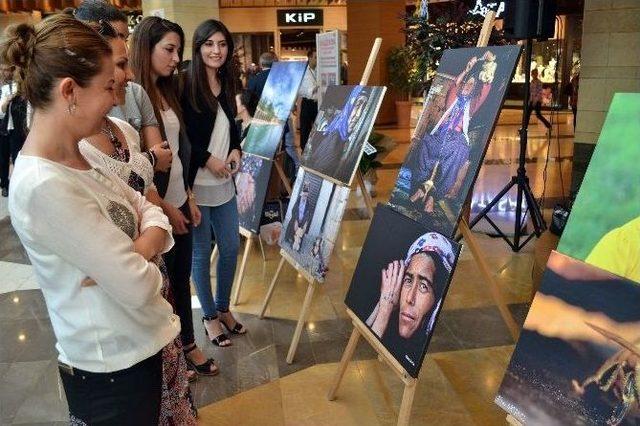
(483, 7)
(300, 17)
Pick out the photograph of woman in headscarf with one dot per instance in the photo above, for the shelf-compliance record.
(341, 129)
(400, 283)
(452, 134)
(441, 158)
(411, 291)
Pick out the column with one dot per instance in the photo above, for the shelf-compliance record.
(609, 64)
(366, 20)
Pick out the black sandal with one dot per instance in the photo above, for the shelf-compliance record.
(237, 329)
(220, 338)
(203, 369)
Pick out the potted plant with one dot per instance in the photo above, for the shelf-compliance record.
(405, 80)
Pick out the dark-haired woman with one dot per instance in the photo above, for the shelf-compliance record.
(156, 52)
(209, 113)
(110, 149)
(76, 221)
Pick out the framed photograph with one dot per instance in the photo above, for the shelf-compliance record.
(341, 130)
(400, 282)
(604, 225)
(452, 135)
(252, 181)
(312, 222)
(577, 359)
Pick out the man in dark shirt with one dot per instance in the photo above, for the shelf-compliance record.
(257, 82)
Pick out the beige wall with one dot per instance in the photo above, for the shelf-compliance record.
(368, 20)
(610, 61)
(188, 13)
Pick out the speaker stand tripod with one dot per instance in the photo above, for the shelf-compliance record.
(520, 181)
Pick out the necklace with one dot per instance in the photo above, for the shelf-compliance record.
(120, 153)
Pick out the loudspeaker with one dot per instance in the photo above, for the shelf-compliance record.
(525, 19)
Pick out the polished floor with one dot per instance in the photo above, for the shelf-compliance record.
(461, 374)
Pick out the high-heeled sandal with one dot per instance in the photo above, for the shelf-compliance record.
(237, 329)
(220, 338)
(203, 369)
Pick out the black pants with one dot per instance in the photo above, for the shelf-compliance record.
(126, 397)
(308, 113)
(10, 146)
(574, 109)
(178, 261)
(538, 109)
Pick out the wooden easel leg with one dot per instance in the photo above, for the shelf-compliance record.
(344, 362)
(272, 286)
(304, 313)
(493, 287)
(365, 194)
(283, 177)
(243, 264)
(407, 403)
(264, 257)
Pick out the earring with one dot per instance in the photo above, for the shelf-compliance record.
(71, 108)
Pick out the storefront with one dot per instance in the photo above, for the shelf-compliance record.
(556, 59)
(282, 26)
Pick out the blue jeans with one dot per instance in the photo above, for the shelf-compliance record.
(223, 221)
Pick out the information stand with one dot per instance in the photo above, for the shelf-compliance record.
(361, 329)
(304, 312)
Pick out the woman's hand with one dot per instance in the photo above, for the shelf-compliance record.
(177, 220)
(391, 284)
(196, 216)
(163, 156)
(217, 167)
(233, 158)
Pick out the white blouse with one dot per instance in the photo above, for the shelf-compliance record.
(176, 195)
(209, 189)
(76, 224)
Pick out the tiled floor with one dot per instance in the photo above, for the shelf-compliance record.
(467, 356)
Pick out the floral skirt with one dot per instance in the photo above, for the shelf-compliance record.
(176, 404)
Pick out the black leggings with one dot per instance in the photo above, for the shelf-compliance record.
(126, 397)
(537, 107)
(178, 261)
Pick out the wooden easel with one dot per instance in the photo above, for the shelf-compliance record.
(360, 329)
(304, 312)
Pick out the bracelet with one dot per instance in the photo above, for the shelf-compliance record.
(190, 196)
(152, 158)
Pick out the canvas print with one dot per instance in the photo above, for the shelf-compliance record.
(400, 282)
(577, 360)
(451, 137)
(280, 92)
(341, 129)
(604, 225)
(312, 222)
(251, 189)
(263, 139)
(276, 102)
